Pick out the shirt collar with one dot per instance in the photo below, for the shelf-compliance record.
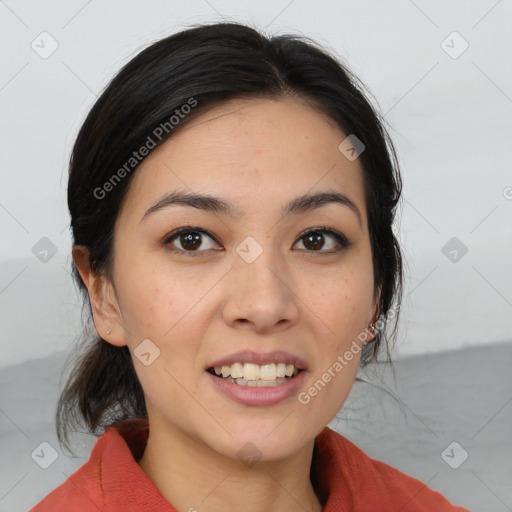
(125, 485)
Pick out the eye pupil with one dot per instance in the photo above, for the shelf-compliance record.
(190, 241)
(314, 241)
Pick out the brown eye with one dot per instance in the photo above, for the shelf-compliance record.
(314, 241)
(190, 240)
(323, 241)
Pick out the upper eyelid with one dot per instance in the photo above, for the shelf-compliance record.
(185, 229)
(329, 231)
(320, 229)
(340, 237)
(323, 229)
(168, 239)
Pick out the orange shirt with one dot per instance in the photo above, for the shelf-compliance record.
(347, 479)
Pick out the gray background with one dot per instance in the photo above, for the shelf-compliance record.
(450, 118)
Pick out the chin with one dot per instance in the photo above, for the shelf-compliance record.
(266, 440)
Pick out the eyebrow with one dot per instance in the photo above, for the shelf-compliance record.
(307, 203)
(304, 203)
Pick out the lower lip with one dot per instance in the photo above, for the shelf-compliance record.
(259, 396)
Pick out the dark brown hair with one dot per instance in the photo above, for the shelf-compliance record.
(209, 64)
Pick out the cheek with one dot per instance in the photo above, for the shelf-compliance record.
(161, 314)
(343, 295)
(174, 322)
(325, 394)
(345, 304)
(162, 311)
(146, 309)
(152, 298)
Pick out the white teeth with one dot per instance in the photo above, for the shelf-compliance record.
(237, 370)
(256, 383)
(269, 383)
(251, 371)
(268, 372)
(248, 373)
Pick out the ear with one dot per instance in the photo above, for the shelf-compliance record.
(104, 304)
(373, 316)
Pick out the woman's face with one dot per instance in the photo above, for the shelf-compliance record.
(258, 268)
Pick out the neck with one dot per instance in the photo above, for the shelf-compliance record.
(193, 477)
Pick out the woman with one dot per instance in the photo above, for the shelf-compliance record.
(232, 199)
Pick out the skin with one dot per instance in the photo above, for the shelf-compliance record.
(257, 154)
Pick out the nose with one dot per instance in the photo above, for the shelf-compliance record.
(260, 296)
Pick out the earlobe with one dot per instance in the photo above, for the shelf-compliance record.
(105, 311)
(372, 327)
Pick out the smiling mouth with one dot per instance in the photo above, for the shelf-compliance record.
(253, 375)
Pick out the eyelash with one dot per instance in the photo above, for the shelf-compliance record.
(340, 238)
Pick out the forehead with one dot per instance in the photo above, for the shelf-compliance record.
(250, 151)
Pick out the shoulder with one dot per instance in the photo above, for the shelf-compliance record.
(371, 484)
(71, 496)
(111, 479)
(83, 489)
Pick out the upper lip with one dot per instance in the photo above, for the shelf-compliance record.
(260, 358)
